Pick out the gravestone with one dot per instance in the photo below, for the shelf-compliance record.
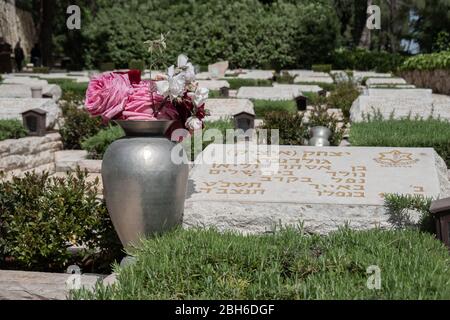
(222, 109)
(13, 109)
(322, 187)
(217, 70)
(269, 93)
(370, 74)
(256, 74)
(48, 90)
(213, 84)
(300, 87)
(385, 81)
(313, 79)
(397, 107)
(401, 93)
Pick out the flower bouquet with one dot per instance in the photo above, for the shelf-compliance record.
(174, 96)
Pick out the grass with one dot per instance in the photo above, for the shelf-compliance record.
(12, 129)
(236, 83)
(426, 133)
(96, 145)
(72, 91)
(204, 264)
(263, 107)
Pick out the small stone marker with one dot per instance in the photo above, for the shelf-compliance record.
(323, 187)
(222, 109)
(269, 93)
(217, 70)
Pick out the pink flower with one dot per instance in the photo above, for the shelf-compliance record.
(107, 95)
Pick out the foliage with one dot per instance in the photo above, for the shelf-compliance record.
(107, 66)
(321, 68)
(440, 60)
(97, 144)
(236, 83)
(325, 86)
(137, 64)
(42, 216)
(284, 78)
(400, 207)
(41, 70)
(287, 265)
(78, 125)
(262, 107)
(320, 117)
(361, 59)
(12, 129)
(420, 133)
(343, 97)
(210, 30)
(442, 42)
(292, 131)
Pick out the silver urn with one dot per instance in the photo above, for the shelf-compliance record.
(320, 137)
(143, 188)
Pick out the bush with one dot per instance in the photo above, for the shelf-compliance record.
(206, 264)
(343, 97)
(96, 145)
(292, 131)
(234, 30)
(321, 68)
(399, 208)
(236, 83)
(284, 78)
(78, 126)
(41, 217)
(71, 91)
(429, 133)
(107, 66)
(262, 107)
(41, 70)
(12, 129)
(137, 65)
(433, 61)
(364, 60)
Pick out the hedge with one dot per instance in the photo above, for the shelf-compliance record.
(11, 129)
(364, 60)
(247, 33)
(287, 265)
(433, 61)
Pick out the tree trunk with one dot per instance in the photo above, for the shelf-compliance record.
(46, 31)
(365, 40)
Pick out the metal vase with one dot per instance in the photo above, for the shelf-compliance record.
(143, 188)
(320, 136)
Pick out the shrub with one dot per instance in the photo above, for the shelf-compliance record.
(292, 131)
(137, 65)
(11, 129)
(262, 107)
(41, 217)
(322, 68)
(428, 133)
(361, 59)
(107, 66)
(96, 145)
(343, 97)
(288, 265)
(433, 61)
(78, 125)
(399, 208)
(41, 70)
(216, 29)
(236, 83)
(320, 117)
(284, 78)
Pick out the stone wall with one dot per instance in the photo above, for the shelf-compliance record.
(16, 23)
(18, 156)
(438, 80)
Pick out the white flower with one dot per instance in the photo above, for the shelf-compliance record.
(199, 97)
(186, 67)
(193, 123)
(173, 87)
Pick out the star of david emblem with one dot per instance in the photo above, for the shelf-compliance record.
(395, 157)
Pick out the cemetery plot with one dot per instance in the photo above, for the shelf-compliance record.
(385, 81)
(256, 74)
(213, 84)
(323, 187)
(269, 93)
(300, 88)
(227, 108)
(13, 108)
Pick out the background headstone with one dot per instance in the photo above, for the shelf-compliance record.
(227, 108)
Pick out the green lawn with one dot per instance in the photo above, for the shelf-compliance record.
(263, 107)
(204, 264)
